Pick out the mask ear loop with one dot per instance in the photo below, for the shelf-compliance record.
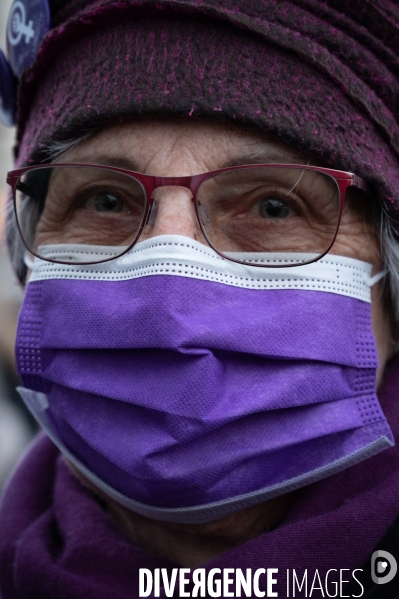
(371, 281)
(33, 265)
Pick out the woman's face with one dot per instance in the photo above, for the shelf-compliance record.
(177, 148)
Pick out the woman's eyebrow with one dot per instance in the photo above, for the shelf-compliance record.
(266, 156)
(108, 160)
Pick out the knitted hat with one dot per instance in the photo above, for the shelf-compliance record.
(323, 77)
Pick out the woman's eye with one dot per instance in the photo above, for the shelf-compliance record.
(105, 202)
(273, 208)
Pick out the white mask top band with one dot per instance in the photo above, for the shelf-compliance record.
(175, 255)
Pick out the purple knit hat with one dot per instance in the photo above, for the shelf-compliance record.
(323, 77)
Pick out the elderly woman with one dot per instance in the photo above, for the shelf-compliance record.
(204, 217)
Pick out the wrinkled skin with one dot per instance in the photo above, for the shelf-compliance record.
(176, 148)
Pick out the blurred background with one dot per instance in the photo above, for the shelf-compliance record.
(16, 427)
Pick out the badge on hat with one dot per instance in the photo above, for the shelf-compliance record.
(28, 22)
(7, 93)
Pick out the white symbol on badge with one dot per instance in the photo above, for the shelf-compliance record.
(380, 573)
(17, 26)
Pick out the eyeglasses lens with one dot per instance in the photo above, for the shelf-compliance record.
(270, 215)
(79, 206)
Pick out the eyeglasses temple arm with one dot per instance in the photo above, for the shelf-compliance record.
(361, 184)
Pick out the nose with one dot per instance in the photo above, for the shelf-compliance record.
(173, 213)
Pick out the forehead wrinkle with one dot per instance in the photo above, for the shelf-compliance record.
(265, 154)
(236, 153)
(261, 156)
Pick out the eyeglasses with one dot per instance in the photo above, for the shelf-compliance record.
(251, 214)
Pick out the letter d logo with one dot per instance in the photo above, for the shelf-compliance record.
(383, 567)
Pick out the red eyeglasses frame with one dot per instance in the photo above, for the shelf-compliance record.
(150, 183)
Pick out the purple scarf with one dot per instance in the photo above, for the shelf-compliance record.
(56, 542)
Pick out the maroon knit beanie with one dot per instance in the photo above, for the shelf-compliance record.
(321, 76)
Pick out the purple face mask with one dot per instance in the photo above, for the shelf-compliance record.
(188, 387)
